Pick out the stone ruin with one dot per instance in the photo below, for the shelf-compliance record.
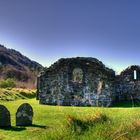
(85, 81)
(128, 84)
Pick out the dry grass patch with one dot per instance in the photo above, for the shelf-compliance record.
(80, 125)
(12, 94)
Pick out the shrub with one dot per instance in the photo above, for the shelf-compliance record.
(8, 83)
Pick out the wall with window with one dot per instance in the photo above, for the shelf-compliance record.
(128, 84)
(86, 82)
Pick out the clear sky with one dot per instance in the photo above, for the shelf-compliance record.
(46, 30)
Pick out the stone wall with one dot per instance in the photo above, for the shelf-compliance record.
(87, 82)
(128, 84)
(78, 82)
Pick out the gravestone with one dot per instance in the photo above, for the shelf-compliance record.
(24, 115)
(4, 117)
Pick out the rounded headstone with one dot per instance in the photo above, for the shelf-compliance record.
(4, 117)
(24, 115)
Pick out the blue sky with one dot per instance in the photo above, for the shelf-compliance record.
(46, 30)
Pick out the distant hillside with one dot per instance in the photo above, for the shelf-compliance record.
(19, 67)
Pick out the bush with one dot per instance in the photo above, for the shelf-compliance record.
(8, 83)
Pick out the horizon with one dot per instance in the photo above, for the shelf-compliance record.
(48, 30)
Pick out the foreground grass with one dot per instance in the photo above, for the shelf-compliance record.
(74, 123)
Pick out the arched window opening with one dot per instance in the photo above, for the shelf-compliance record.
(135, 75)
(78, 75)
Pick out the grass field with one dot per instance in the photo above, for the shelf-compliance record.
(74, 123)
(55, 122)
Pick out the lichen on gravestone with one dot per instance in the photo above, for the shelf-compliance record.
(5, 120)
(24, 115)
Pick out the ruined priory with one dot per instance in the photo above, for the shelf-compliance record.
(86, 81)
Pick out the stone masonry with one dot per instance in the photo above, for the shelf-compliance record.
(76, 82)
(85, 81)
(128, 84)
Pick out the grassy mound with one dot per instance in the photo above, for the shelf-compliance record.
(81, 125)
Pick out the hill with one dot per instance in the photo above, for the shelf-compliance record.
(19, 67)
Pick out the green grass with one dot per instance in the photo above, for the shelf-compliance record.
(74, 123)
